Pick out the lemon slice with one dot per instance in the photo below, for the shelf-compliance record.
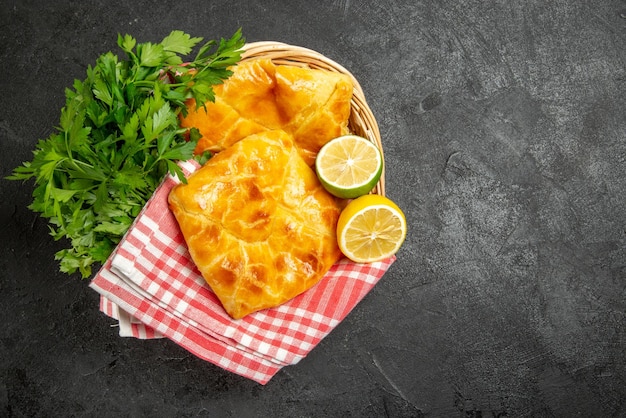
(349, 166)
(371, 228)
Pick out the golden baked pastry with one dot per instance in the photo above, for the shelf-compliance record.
(258, 224)
(224, 128)
(316, 105)
(311, 105)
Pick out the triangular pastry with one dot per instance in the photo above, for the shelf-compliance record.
(311, 105)
(258, 224)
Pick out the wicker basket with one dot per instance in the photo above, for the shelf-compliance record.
(361, 122)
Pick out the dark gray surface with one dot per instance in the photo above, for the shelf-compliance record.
(504, 128)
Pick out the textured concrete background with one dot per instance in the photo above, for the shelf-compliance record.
(504, 129)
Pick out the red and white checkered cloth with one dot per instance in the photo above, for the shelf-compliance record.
(152, 287)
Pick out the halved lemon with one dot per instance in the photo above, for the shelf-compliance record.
(371, 228)
(349, 166)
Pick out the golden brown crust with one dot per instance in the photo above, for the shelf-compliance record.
(316, 104)
(224, 128)
(258, 224)
(313, 106)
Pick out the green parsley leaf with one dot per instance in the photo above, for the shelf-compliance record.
(127, 43)
(179, 42)
(150, 55)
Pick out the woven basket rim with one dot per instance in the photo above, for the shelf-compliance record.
(362, 121)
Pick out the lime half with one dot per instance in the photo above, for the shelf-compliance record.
(349, 166)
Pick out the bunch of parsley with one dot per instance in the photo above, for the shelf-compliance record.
(118, 135)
